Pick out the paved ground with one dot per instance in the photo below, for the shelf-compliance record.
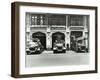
(47, 58)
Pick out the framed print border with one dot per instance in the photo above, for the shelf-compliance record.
(15, 38)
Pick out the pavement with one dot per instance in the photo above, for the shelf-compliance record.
(48, 58)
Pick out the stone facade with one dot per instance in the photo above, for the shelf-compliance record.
(49, 30)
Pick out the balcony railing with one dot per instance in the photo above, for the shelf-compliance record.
(38, 27)
(44, 27)
(76, 27)
(58, 28)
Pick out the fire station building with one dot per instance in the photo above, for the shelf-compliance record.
(47, 27)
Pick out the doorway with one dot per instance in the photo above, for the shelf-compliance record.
(41, 36)
(57, 36)
(73, 36)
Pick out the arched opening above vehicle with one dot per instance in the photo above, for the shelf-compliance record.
(41, 36)
(57, 36)
(74, 35)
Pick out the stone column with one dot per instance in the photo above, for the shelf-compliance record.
(27, 28)
(85, 32)
(67, 39)
(67, 34)
(48, 39)
(85, 22)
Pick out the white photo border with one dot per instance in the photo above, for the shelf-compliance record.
(55, 69)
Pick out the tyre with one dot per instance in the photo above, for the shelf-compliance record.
(54, 51)
(64, 51)
(28, 52)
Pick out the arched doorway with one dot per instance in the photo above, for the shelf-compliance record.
(57, 36)
(73, 36)
(41, 36)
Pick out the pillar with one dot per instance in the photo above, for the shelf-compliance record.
(67, 34)
(48, 39)
(85, 32)
(67, 39)
(27, 28)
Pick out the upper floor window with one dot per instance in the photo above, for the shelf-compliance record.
(57, 20)
(37, 19)
(75, 20)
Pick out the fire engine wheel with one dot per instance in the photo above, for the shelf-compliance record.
(64, 51)
(54, 51)
(28, 52)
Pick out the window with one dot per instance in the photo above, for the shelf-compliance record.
(37, 19)
(75, 20)
(57, 20)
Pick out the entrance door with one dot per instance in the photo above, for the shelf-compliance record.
(57, 36)
(73, 36)
(41, 36)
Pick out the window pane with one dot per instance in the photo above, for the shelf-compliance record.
(75, 20)
(57, 20)
(37, 19)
